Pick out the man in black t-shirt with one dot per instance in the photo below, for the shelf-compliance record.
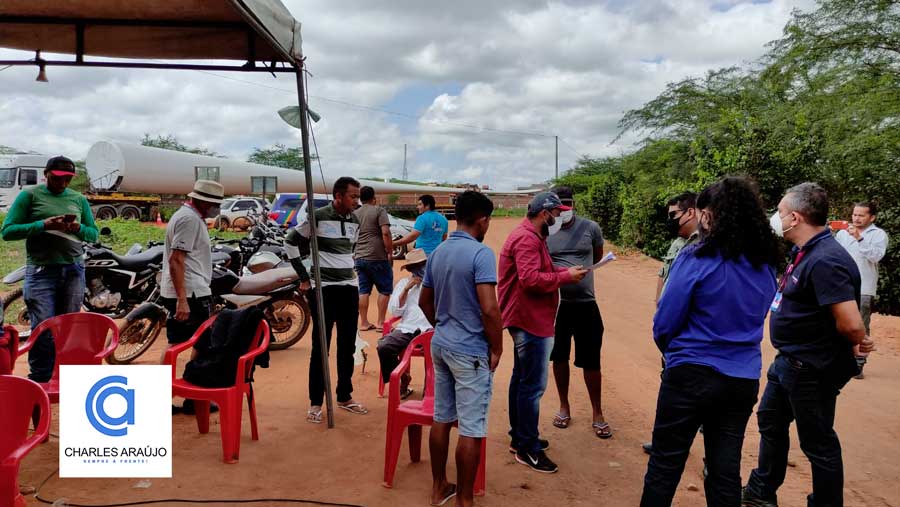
(814, 324)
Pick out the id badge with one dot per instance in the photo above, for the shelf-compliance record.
(776, 303)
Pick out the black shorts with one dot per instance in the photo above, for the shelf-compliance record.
(182, 331)
(581, 320)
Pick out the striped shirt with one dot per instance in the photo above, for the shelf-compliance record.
(336, 235)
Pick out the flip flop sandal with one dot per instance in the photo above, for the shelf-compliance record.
(354, 408)
(314, 416)
(561, 421)
(406, 393)
(370, 328)
(450, 494)
(602, 430)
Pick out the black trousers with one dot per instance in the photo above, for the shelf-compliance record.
(341, 308)
(807, 396)
(690, 396)
(390, 347)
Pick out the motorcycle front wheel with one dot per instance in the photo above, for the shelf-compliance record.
(288, 319)
(136, 337)
(15, 312)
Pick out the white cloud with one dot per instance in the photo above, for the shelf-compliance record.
(567, 68)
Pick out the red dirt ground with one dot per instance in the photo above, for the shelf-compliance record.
(294, 459)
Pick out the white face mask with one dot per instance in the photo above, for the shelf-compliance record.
(557, 225)
(567, 216)
(778, 225)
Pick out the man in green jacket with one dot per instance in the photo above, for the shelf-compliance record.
(53, 221)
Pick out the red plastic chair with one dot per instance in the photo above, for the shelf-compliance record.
(9, 350)
(229, 399)
(417, 351)
(414, 414)
(80, 338)
(20, 398)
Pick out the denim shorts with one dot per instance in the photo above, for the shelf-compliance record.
(377, 273)
(462, 390)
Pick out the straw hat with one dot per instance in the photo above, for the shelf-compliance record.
(416, 256)
(209, 191)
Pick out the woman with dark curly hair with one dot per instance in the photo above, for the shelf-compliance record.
(708, 325)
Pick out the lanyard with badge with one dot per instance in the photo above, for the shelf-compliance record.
(776, 303)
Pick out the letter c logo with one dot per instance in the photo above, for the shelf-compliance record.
(96, 414)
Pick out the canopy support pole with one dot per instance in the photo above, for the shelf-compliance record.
(317, 275)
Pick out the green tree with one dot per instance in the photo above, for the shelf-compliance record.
(279, 156)
(170, 142)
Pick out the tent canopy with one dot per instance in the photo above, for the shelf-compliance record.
(244, 30)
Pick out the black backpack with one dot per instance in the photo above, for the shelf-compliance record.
(220, 347)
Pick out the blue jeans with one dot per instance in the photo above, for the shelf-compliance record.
(797, 392)
(50, 291)
(531, 364)
(462, 390)
(377, 273)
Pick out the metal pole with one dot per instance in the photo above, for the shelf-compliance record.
(405, 173)
(557, 155)
(317, 275)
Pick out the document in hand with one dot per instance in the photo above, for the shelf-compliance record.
(609, 257)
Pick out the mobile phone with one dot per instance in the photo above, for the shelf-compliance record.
(69, 218)
(837, 225)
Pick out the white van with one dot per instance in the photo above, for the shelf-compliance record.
(19, 171)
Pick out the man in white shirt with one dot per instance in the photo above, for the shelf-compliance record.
(404, 303)
(866, 243)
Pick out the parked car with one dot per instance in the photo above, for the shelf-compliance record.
(234, 210)
(286, 207)
(399, 226)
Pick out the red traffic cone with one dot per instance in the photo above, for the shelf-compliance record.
(158, 219)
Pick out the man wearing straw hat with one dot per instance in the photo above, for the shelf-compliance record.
(404, 303)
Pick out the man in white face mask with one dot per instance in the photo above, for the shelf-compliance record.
(529, 296)
(578, 243)
(814, 324)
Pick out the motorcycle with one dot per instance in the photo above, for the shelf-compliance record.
(114, 284)
(268, 281)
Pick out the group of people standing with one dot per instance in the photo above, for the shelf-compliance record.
(716, 289)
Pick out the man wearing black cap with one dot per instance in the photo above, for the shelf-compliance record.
(54, 221)
(529, 296)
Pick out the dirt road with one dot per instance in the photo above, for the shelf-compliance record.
(294, 459)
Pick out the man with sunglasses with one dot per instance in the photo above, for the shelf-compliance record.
(53, 220)
(681, 222)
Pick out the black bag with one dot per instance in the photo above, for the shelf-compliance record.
(220, 347)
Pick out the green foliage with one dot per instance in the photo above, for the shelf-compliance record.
(278, 156)
(169, 142)
(393, 199)
(823, 105)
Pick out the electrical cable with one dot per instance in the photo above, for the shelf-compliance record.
(190, 500)
(313, 133)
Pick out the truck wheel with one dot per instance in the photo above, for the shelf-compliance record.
(129, 212)
(104, 212)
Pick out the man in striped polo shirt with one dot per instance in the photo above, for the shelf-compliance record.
(336, 231)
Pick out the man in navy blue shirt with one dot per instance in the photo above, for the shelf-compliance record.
(814, 324)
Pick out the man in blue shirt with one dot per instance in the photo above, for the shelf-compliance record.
(814, 325)
(430, 228)
(459, 298)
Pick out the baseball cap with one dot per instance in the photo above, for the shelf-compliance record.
(60, 166)
(546, 201)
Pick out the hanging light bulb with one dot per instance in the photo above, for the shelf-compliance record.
(42, 72)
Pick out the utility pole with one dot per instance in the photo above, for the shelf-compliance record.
(405, 172)
(557, 156)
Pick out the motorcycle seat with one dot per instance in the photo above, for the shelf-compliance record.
(265, 282)
(140, 261)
